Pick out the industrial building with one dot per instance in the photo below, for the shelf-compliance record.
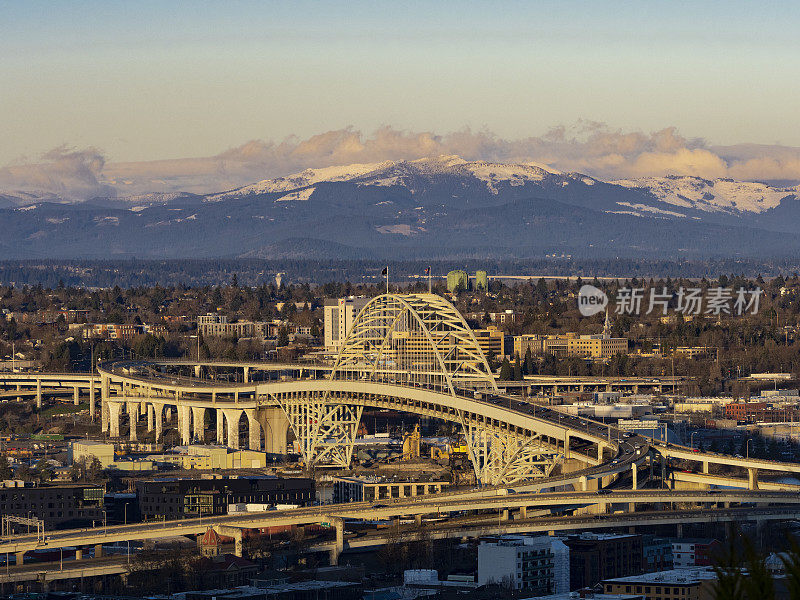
(58, 506)
(185, 498)
(686, 584)
(370, 488)
(594, 557)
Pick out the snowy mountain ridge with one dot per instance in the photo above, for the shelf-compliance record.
(708, 195)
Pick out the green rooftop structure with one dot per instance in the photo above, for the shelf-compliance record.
(457, 281)
(481, 281)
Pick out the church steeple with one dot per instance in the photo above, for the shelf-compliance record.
(607, 326)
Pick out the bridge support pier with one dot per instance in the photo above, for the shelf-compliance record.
(246, 375)
(253, 429)
(92, 408)
(158, 413)
(752, 478)
(635, 476)
(504, 514)
(338, 548)
(133, 416)
(78, 553)
(150, 418)
(39, 393)
(19, 558)
(236, 534)
(98, 550)
(113, 409)
(276, 426)
(199, 423)
(185, 424)
(523, 513)
(104, 394)
(679, 530)
(75, 396)
(232, 417)
(220, 427)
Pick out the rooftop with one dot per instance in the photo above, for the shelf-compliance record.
(675, 576)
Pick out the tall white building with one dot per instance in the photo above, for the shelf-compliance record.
(339, 316)
(537, 564)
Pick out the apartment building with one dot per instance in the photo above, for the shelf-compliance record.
(534, 564)
(340, 313)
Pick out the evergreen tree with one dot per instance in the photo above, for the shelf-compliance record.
(527, 367)
(5, 468)
(506, 372)
(283, 337)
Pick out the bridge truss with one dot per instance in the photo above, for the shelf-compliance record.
(419, 341)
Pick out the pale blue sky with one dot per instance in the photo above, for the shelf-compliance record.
(151, 80)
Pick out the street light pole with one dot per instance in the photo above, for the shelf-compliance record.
(747, 448)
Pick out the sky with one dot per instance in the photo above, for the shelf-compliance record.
(148, 81)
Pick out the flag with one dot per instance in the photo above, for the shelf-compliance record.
(385, 271)
(428, 271)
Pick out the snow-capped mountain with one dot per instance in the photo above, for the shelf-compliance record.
(440, 207)
(403, 173)
(715, 195)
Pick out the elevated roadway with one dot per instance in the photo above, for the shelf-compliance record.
(420, 505)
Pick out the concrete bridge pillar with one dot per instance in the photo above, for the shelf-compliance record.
(91, 400)
(114, 409)
(199, 423)
(38, 393)
(600, 447)
(752, 478)
(523, 512)
(185, 424)
(566, 445)
(19, 558)
(158, 413)
(635, 476)
(197, 371)
(246, 375)
(583, 483)
(338, 548)
(98, 550)
(78, 553)
(679, 531)
(705, 467)
(19, 389)
(150, 417)
(276, 426)
(133, 416)
(232, 417)
(254, 430)
(236, 534)
(168, 414)
(220, 427)
(104, 394)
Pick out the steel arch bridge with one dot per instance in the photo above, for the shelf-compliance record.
(417, 341)
(408, 352)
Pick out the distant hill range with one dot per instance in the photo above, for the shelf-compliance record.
(431, 208)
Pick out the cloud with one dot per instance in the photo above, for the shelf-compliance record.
(64, 172)
(586, 146)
